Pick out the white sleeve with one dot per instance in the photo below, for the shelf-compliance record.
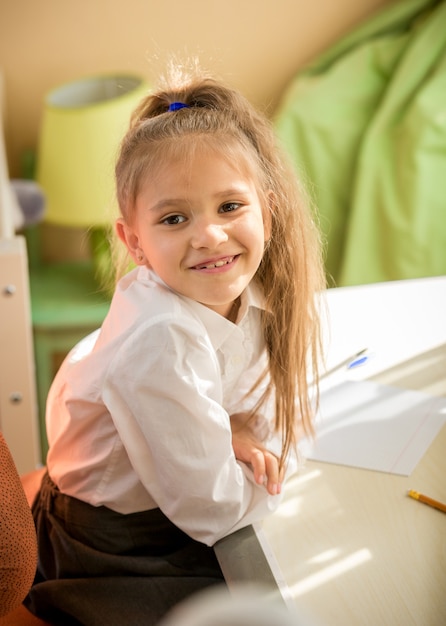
(163, 391)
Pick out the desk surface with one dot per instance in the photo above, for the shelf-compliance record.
(352, 547)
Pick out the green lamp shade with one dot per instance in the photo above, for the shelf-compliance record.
(82, 127)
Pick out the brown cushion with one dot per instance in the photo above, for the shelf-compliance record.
(18, 541)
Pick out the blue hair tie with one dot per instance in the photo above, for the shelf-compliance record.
(174, 106)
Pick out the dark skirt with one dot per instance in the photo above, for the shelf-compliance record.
(100, 567)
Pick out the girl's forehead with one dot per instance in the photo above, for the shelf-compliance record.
(185, 151)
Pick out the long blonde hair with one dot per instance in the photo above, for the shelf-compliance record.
(291, 271)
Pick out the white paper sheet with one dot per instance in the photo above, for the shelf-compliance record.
(373, 426)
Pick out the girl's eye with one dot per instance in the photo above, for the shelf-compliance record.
(229, 206)
(173, 219)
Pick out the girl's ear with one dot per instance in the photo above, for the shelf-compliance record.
(131, 241)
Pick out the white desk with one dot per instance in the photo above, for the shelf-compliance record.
(352, 547)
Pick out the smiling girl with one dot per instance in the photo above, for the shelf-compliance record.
(175, 424)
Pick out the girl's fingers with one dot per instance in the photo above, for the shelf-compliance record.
(274, 484)
(258, 466)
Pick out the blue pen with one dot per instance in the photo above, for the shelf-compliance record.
(346, 363)
(357, 362)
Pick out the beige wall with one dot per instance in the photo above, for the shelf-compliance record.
(256, 45)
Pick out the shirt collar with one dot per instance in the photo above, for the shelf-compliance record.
(219, 329)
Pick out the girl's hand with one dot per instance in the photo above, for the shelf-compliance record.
(249, 449)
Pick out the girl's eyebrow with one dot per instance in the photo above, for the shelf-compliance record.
(235, 190)
(164, 203)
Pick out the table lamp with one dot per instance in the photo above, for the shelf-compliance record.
(83, 124)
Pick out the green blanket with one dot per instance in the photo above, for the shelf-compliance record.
(366, 127)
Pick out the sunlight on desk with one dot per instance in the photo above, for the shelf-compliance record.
(331, 571)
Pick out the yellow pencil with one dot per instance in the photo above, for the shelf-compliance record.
(426, 500)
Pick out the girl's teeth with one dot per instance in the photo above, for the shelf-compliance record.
(216, 264)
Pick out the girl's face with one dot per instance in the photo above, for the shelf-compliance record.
(200, 226)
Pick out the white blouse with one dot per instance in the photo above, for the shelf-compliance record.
(138, 414)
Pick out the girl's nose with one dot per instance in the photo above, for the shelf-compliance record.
(207, 234)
